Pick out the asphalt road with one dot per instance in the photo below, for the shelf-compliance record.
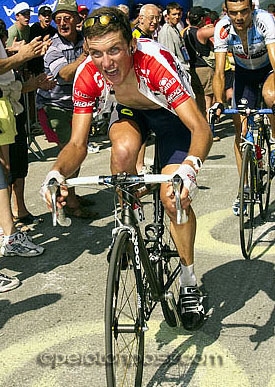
(51, 327)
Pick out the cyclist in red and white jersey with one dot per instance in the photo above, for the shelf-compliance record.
(250, 36)
(150, 91)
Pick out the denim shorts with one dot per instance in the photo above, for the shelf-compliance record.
(173, 136)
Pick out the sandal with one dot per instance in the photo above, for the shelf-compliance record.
(80, 212)
(26, 220)
(84, 201)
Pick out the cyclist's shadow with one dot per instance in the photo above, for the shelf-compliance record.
(229, 287)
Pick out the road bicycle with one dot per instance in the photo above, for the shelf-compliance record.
(256, 173)
(144, 269)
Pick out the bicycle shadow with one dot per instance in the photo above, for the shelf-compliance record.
(230, 287)
(64, 245)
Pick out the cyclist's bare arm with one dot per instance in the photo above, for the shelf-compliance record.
(73, 154)
(219, 78)
(271, 55)
(201, 141)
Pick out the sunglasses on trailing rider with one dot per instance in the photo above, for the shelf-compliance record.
(104, 20)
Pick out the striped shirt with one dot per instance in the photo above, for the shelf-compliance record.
(60, 54)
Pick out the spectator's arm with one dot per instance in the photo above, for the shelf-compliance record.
(67, 72)
(205, 33)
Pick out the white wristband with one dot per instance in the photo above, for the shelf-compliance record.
(196, 162)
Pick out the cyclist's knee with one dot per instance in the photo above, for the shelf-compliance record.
(123, 156)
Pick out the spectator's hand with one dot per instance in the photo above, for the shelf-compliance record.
(32, 49)
(45, 82)
(16, 46)
(46, 44)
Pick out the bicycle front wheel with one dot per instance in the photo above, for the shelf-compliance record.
(124, 322)
(247, 201)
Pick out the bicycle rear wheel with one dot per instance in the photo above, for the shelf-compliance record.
(264, 174)
(247, 201)
(124, 322)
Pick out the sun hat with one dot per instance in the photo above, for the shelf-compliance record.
(65, 5)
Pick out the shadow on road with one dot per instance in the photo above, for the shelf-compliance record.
(229, 288)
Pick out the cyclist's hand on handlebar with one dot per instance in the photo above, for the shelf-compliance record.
(215, 112)
(189, 185)
(45, 192)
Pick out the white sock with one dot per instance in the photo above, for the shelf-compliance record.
(187, 276)
(8, 239)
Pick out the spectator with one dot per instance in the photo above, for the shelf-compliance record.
(136, 10)
(124, 8)
(61, 61)
(83, 12)
(197, 41)
(20, 29)
(41, 28)
(148, 21)
(271, 9)
(170, 36)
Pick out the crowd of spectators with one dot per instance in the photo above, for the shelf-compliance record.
(44, 58)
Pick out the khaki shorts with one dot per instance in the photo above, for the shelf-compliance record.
(205, 75)
(7, 123)
(60, 120)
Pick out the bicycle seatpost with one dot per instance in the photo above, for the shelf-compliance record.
(59, 218)
(181, 214)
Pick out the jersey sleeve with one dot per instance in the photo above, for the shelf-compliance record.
(167, 77)
(221, 34)
(266, 25)
(88, 85)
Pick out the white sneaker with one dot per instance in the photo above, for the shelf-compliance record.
(8, 283)
(21, 245)
(91, 148)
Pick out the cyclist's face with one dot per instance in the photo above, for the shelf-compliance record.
(111, 55)
(240, 14)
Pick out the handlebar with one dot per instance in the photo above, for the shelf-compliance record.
(116, 180)
(57, 217)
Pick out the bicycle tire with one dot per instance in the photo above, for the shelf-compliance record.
(124, 322)
(168, 267)
(264, 180)
(247, 202)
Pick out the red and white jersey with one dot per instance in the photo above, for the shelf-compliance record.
(160, 78)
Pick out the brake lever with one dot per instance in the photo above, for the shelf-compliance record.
(181, 213)
(59, 217)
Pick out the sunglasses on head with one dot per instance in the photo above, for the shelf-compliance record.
(104, 20)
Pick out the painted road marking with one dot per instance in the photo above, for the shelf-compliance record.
(186, 349)
(206, 242)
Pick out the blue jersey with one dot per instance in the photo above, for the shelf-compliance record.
(259, 35)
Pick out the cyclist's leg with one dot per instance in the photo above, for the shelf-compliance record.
(127, 135)
(269, 97)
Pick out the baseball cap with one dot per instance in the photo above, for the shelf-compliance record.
(65, 5)
(43, 9)
(21, 8)
(82, 8)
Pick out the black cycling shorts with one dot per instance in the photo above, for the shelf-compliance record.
(247, 84)
(19, 151)
(173, 136)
